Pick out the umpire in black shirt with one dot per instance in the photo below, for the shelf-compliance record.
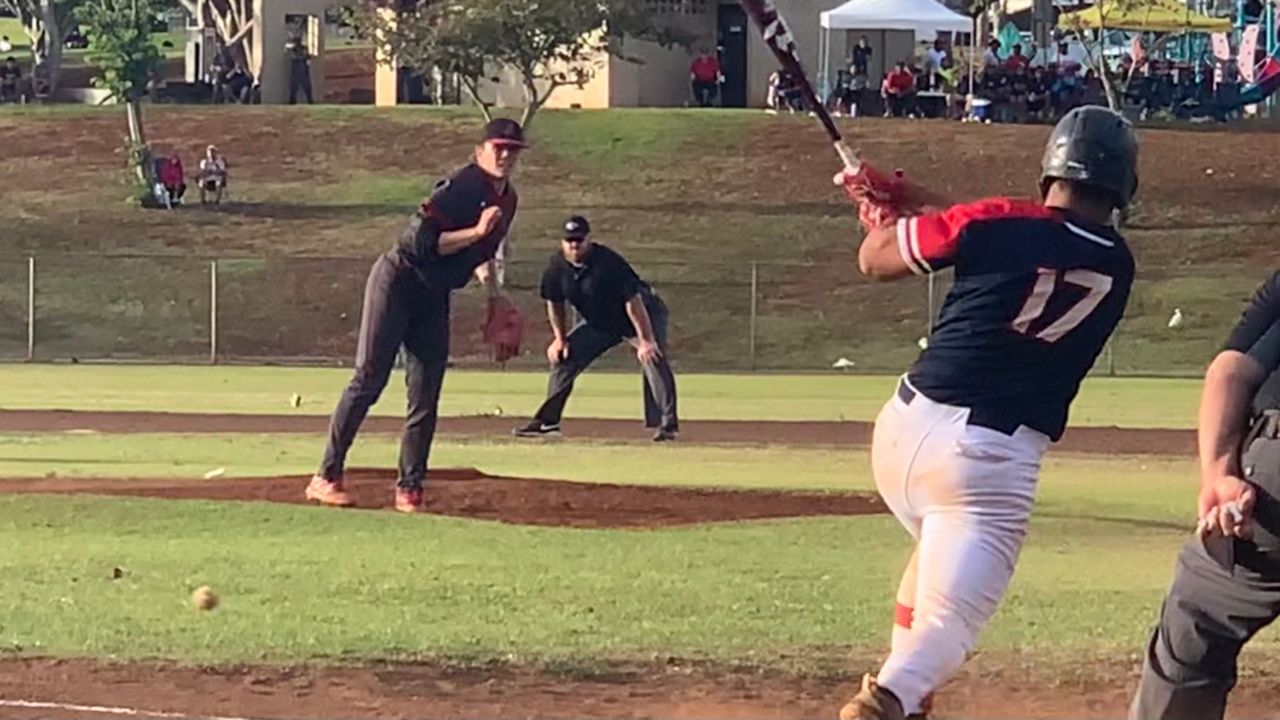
(615, 305)
(453, 235)
(1226, 584)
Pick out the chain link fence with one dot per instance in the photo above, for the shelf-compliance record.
(730, 316)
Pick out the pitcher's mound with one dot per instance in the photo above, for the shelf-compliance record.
(471, 493)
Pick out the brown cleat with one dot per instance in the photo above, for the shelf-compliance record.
(872, 703)
(328, 492)
(409, 501)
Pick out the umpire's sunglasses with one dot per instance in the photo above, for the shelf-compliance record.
(574, 240)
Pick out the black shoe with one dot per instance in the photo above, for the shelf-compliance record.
(537, 429)
(665, 436)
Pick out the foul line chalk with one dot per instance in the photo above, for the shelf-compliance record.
(105, 710)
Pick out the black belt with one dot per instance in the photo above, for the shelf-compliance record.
(977, 416)
(905, 393)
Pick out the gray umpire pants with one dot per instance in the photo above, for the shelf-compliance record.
(587, 343)
(1211, 611)
(399, 310)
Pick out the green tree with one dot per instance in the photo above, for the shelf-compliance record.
(548, 44)
(121, 49)
(46, 23)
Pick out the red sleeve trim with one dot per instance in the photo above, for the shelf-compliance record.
(929, 242)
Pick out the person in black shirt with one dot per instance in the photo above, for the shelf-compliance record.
(615, 305)
(1226, 585)
(453, 235)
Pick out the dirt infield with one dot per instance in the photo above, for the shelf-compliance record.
(1091, 440)
(472, 494)
(427, 691)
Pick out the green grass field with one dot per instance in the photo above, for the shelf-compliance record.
(694, 199)
(303, 583)
(1125, 402)
(307, 584)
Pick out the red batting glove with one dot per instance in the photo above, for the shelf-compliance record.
(868, 183)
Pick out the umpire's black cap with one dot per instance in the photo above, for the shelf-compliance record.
(576, 228)
(502, 131)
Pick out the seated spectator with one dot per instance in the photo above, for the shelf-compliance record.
(704, 73)
(1092, 92)
(784, 92)
(10, 81)
(1038, 94)
(41, 85)
(239, 85)
(1019, 93)
(994, 87)
(172, 179)
(212, 176)
(6, 46)
(841, 100)
(898, 91)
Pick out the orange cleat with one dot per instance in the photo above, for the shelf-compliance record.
(409, 501)
(328, 492)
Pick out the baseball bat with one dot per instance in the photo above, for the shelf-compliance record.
(777, 36)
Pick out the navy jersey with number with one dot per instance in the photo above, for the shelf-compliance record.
(1037, 293)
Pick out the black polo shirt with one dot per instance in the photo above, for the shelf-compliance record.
(599, 289)
(455, 204)
(1258, 336)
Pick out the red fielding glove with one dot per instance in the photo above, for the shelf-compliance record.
(503, 328)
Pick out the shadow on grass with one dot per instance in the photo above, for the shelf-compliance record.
(306, 211)
(1143, 523)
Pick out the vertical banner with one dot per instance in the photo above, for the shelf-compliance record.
(1221, 53)
(1248, 52)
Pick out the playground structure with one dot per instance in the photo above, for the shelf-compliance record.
(1201, 36)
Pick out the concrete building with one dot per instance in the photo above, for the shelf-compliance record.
(661, 79)
(274, 23)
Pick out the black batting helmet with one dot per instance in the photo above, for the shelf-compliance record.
(1094, 146)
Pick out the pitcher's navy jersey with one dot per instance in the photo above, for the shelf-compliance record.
(1036, 295)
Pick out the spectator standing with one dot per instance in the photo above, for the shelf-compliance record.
(10, 81)
(860, 58)
(299, 69)
(935, 59)
(991, 58)
(704, 73)
(1017, 61)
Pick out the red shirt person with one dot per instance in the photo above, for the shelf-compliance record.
(897, 90)
(704, 73)
(1017, 61)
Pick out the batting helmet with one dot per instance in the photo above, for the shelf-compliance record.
(1093, 146)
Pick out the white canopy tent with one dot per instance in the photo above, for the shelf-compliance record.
(924, 18)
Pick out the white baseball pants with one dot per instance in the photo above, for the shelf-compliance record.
(965, 494)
